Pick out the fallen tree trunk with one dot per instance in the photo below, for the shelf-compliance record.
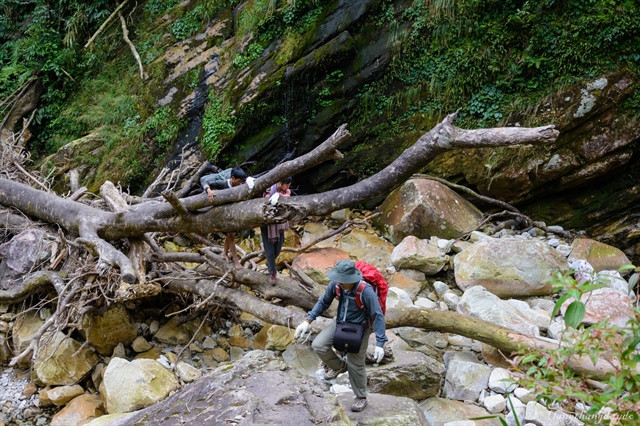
(504, 339)
(233, 210)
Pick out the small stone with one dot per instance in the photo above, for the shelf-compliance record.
(524, 395)
(554, 242)
(440, 287)
(140, 344)
(29, 390)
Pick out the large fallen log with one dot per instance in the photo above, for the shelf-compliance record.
(243, 207)
(504, 339)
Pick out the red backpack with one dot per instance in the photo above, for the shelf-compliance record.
(372, 275)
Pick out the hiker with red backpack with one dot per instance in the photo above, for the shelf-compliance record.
(359, 308)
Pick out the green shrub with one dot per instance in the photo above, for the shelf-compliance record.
(609, 401)
(217, 122)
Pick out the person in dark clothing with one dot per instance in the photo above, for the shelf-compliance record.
(347, 277)
(273, 234)
(213, 182)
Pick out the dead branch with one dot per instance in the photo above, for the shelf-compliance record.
(30, 176)
(125, 36)
(155, 183)
(30, 285)
(475, 195)
(175, 202)
(104, 24)
(53, 319)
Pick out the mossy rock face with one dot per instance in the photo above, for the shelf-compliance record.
(594, 139)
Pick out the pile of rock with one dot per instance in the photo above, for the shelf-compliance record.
(130, 367)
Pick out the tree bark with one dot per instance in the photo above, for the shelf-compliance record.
(506, 340)
(233, 210)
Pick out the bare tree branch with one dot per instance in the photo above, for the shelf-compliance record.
(104, 24)
(125, 36)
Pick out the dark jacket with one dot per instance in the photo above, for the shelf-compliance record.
(348, 310)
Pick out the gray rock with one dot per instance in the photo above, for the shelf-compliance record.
(412, 374)
(508, 267)
(440, 287)
(441, 410)
(501, 381)
(465, 380)
(479, 303)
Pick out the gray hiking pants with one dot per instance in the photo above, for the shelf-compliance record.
(323, 346)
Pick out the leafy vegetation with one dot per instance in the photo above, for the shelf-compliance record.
(217, 122)
(491, 59)
(486, 56)
(615, 400)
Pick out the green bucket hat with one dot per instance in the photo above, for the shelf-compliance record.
(345, 272)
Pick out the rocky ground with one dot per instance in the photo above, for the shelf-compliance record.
(20, 404)
(238, 369)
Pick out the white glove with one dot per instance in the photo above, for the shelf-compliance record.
(274, 199)
(378, 354)
(301, 329)
(250, 182)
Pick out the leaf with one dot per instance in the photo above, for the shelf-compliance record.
(575, 293)
(558, 305)
(575, 314)
(631, 347)
(590, 287)
(633, 281)
(626, 267)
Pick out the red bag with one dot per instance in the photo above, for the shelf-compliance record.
(372, 275)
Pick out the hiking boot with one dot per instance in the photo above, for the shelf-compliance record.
(358, 404)
(332, 374)
(272, 278)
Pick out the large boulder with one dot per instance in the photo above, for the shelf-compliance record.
(465, 378)
(173, 332)
(79, 411)
(367, 246)
(422, 208)
(104, 331)
(599, 255)
(508, 266)
(302, 358)
(129, 386)
(412, 374)
(20, 254)
(317, 262)
(62, 360)
(441, 410)
(385, 410)
(607, 303)
(479, 303)
(24, 329)
(416, 253)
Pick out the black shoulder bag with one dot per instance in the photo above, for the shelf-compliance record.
(348, 337)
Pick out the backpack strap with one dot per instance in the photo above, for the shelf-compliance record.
(359, 291)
